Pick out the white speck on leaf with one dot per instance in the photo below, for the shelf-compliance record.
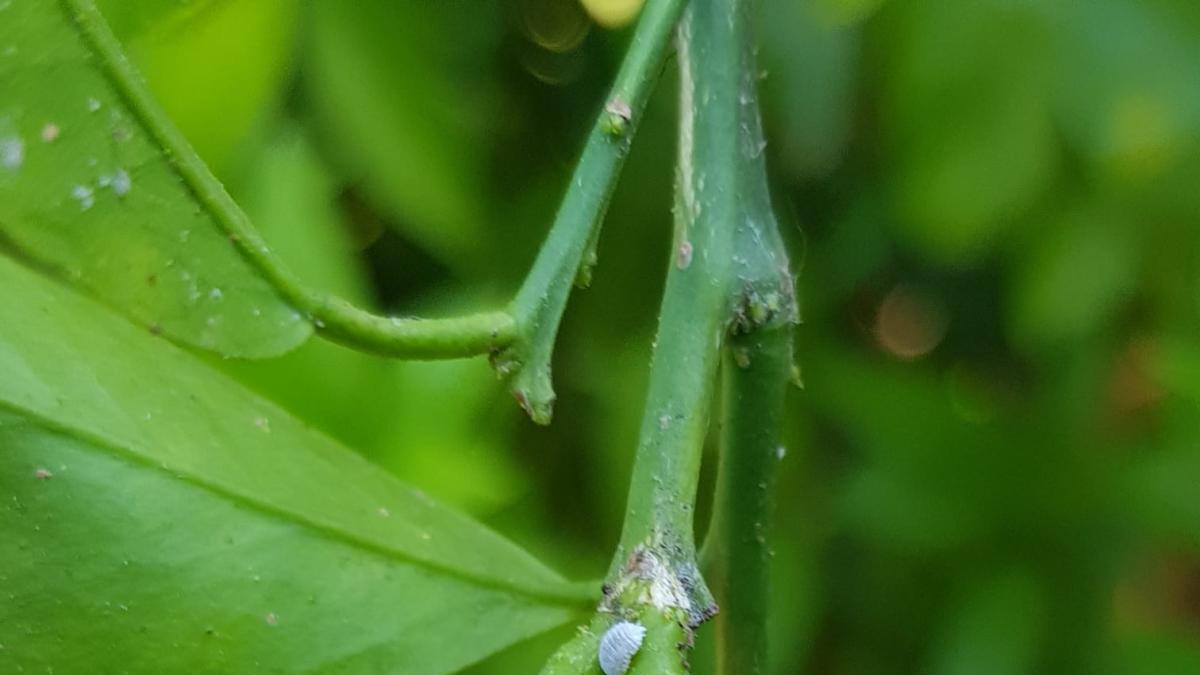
(383, 512)
(215, 293)
(271, 619)
(84, 195)
(619, 645)
(263, 424)
(42, 474)
(121, 183)
(93, 105)
(50, 132)
(12, 152)
(780, 452)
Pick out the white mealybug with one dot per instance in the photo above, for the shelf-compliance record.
(618, 645)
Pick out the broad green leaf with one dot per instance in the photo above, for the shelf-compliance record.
(996, 630)
(406, 117)
(158, 518)
(292, 201)
(1158, 653)
(970, 139)
(130, 19)
(801, 45)
(87, 190)
(1074, 277)
(220, 70)
(423, 420)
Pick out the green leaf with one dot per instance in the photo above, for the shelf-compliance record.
(970, 139)
(159, 518)
(130, 19)
(405, 118)
(1073, 278)
(218, 69)
(996, 630)
(87, 190)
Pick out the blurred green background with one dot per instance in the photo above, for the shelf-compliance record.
(994, 466)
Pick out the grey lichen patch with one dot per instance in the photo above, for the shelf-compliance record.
(653, 579)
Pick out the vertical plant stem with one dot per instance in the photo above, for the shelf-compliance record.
(729, 272)
(757, 365)
(569, 250)
(736, 554)
(695, 309)
(729, 291)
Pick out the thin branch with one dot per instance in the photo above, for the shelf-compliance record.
(569, 250)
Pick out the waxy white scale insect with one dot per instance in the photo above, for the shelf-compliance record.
(618, 646)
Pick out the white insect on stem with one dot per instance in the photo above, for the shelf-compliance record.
(619, 645)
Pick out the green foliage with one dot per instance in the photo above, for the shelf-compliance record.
(166, 505)
(1017, 497)
(86, 191)
(383, 101)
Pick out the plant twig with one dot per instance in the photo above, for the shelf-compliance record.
(736, 554)
(569, 250)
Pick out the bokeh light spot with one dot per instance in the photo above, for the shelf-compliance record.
(909, 323)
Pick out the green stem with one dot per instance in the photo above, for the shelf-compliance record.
(736, 555)
(756, 368)
(569, 249)
(729, 277)
(728, 290)
(332, 316)
(697, 303)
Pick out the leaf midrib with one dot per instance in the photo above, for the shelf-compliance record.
(567, 594)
